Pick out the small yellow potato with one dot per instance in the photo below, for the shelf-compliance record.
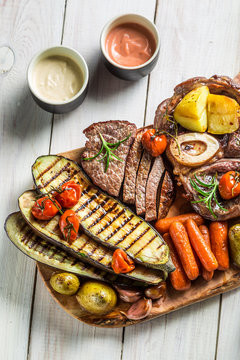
(191, 112)
(223, 114)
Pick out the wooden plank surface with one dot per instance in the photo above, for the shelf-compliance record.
(26, 27)
(197, 38)
(108, 98)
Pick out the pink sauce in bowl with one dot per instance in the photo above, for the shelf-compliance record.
(130, 44)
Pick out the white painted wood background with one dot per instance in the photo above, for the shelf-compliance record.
(197, 38)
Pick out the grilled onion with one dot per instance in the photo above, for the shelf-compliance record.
(193, 149)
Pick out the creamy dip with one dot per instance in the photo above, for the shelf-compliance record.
(57, 78)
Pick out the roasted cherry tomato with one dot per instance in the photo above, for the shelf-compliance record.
(68, 194)
(44, 208)
(121, 262)
(69, 225)
(153, 142)
(229, 185)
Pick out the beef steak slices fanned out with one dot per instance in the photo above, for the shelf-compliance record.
(206, 174)
(152, 188)
(141, 182)
(112, 132)
(133, 160)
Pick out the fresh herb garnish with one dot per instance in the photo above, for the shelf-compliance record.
(109, 149)
(69, 227)
(206, 196)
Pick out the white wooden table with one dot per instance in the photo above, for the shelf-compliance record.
(197, 38)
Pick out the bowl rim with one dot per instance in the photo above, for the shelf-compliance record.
(104, 33)
(33, 63)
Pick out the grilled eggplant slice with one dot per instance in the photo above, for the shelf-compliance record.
(102, 217)
(38, 249)
(83, 247)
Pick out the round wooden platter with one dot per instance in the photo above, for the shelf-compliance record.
(200, 290)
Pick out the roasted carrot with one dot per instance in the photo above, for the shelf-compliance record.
(178, 277)
(207, 275)
(219, 242)
(182, 244)
(203, 251)
(162, 225)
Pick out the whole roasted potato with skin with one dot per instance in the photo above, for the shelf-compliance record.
(234, 240)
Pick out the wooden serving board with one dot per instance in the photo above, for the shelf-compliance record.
(200, 290)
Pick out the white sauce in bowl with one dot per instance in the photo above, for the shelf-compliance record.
(57, 78)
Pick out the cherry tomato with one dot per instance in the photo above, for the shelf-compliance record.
(44, 208)
(69, 225)
(153, 142)
(229, 185)
(68, 194)
(121, 262)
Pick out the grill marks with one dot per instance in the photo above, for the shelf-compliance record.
(119, 228)
(129, 232)
(95, 209)
(88, 201)
(48, 168)
(110, 222)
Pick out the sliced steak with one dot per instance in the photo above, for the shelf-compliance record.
(206, 173)
(167, 194)
(141, 182)
(112, 131)
(133, 160)
(152, 188)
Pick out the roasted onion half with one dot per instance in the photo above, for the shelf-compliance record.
(193, 149)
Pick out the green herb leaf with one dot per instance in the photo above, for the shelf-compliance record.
(109, 149)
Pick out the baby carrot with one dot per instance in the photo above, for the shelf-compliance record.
(162, 225)
(203, 251)
(207, 275)
(219, 242)
(180, 239)
(178, 277)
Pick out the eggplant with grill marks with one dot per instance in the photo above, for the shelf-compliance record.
(102, 217)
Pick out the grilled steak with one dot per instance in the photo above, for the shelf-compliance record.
(166, 195)
(233, 146)
(152, 187)
(206, 173)
(141, 182)
(133, 160)
(112, 131)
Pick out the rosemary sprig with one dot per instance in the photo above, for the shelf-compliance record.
(109, 149)
(171, 119)
(206, 196)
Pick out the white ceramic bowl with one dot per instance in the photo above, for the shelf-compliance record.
(76, 100)
(133, 72)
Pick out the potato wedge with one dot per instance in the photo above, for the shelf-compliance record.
(191, 112)
(223, 114)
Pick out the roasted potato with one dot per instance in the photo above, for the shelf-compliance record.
(234, 240)
(96, 297)
(223, 114)
(65, 283)
(191, 112)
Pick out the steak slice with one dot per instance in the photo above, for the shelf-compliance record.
(167, 194)
(206, 173)
(112, 131)
(133, 160)
(233, 146)
(141, 182)
(152, 188)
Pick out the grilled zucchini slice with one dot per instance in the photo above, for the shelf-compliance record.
(102, 217)
(83, 247)
(40, 250)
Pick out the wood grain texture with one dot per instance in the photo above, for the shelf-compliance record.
(194, 42)
(26, 27)
(108, 99)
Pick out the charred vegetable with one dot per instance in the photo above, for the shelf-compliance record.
(38, 249)
(83, 247)
(65, 283)
(96, 298)
(102, 217)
